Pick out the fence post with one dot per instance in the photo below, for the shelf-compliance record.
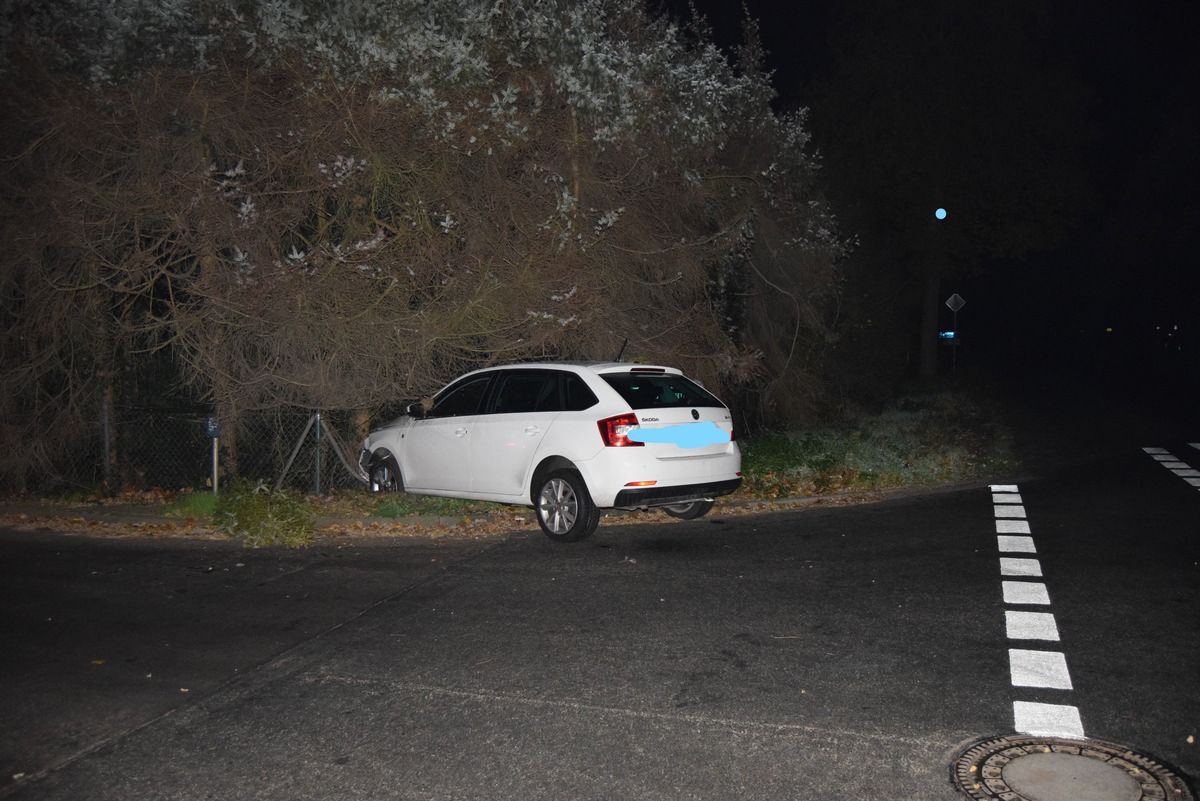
(318, 459)
(106, 434)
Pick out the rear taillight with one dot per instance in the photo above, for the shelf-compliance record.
(615, 431)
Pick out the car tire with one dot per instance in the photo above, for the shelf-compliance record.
(689, 511)
(385, 476)
(564, 508)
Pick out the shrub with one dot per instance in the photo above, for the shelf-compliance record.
(260, 516)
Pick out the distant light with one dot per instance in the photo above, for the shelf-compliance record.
(940, 214)
(945, 335)
(1108, 330)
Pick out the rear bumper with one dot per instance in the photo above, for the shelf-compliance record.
(665, 496)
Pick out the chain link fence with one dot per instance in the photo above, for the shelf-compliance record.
(143, 448)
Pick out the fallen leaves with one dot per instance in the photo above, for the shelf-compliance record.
(135, 520)
(117, 529)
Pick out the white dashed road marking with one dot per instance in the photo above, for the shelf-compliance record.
(1047, 720)
(1020, 567)
(1025, 592)
(1031, 626)
(1006, 511)
(1040, 669)
(1180, 468)
(1015, 544)
(1012, 527)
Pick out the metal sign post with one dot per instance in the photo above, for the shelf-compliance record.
(955, 302)
(212, 427)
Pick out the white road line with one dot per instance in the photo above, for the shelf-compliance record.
(1015, 544)
(1047, 720)
(1020, 567)
(1029, 668)
(1180, 468)
(1039, 669)
(1029, 593)
(1030, 626)
(1003, 510)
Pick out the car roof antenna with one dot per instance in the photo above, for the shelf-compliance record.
(621, 352)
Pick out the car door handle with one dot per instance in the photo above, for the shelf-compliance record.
(532, 430)
(460, 432)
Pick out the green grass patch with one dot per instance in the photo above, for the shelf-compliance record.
(401, 504)
(192, 505)
(935, 436)
(75, 495)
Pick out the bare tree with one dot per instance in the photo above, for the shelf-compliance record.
(341, 233)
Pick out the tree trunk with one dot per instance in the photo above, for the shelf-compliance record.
(227, 415)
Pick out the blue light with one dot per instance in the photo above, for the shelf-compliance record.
(940, 214)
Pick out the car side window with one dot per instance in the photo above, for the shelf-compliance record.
(461, 399)
(519, 391)
(577, 395)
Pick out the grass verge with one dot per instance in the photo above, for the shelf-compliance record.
(931, 436)
(937, 434)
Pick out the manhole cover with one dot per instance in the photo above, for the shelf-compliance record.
(1054, 769)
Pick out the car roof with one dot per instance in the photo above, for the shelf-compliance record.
(595, 367)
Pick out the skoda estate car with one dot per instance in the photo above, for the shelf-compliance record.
(567, 439)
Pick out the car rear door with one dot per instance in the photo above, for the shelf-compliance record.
(523, 405)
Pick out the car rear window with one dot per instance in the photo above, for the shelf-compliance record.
(664, 391)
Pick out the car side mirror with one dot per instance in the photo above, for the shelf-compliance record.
(416, 410)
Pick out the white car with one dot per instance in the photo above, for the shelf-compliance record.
(567, 439)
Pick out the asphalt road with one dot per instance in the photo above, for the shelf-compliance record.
(845, 653)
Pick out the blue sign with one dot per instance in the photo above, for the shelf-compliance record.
(212, 427)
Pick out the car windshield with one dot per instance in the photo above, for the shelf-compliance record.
(659, 391)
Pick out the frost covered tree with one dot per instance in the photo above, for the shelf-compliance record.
(339, 206)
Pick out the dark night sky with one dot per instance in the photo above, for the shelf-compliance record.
(1132, 260)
